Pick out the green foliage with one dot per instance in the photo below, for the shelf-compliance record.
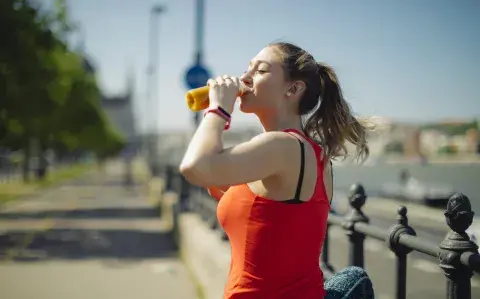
(394, 147)
(452, 129)
(448, 150)
(45, 93)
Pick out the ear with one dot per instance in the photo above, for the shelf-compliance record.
(296, 88)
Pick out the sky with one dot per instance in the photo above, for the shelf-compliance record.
(407, 60)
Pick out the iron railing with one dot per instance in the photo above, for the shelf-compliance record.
(457, 254)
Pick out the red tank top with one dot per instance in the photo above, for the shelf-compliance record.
(275, 246)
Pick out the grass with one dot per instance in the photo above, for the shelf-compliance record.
(16, 189)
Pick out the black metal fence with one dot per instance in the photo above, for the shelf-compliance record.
(457, 254)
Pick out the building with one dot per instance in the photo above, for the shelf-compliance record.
(119, 108)
(472, 137)
(120, 112)
(394, 137)
(431, 140)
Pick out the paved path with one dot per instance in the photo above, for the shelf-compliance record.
(92, 238)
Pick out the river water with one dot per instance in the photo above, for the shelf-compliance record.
(464, 178)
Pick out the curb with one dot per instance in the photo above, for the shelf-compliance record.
(205, 254)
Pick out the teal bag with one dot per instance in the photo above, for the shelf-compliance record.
(350, 283)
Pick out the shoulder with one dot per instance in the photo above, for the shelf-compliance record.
(278, 140)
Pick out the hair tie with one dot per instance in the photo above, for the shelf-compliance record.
(321, 68)
(321, 71)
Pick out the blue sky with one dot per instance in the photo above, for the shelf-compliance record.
(408, 60)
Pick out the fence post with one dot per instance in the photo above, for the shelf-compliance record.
(185, 192)
(223, 234)
(400, 251)
(176, 226)
(212, 212)
(459, 217)
(357, 198)
(325, 263)
(169, 177)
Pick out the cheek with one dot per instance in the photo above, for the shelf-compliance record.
(267, 89)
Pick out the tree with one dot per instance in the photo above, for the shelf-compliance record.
(47, 98)
(25, 67)
(394, 147)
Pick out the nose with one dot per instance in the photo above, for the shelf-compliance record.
(246, 79)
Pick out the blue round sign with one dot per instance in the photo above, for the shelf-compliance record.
(197, 76)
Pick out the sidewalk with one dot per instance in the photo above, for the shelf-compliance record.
(92, 238)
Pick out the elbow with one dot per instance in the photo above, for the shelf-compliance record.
(192, 173)
(185, 168)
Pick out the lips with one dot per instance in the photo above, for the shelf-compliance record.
(246, 94)
(245, 89)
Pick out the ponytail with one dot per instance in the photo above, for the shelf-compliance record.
(332, 123)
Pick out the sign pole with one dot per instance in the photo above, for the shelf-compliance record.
(199, 43)
(197, 75)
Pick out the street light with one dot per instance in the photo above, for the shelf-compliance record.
(158, 8)
(152, 72)
(152, 80)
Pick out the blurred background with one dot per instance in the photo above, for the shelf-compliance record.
(99, 85)
(96, 77)
(99, 76)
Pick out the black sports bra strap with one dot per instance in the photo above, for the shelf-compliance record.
(302, 170)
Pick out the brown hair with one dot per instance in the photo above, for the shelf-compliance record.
(330, 121)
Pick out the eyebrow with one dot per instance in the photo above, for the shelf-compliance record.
(258, 61)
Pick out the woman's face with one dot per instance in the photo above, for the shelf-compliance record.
(265, 82)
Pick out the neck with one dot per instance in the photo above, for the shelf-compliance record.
(279, 123)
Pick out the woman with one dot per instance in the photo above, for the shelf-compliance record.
(275, 189)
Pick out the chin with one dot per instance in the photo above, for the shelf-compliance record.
(250, 104)
(244, 107)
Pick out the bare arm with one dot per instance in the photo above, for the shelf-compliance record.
(206, 163)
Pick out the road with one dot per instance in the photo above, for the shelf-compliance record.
(92, 238)
(459, 177)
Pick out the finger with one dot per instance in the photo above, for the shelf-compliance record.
(228, 80)
(237, 82)
(220, 80)
(232, 81)
(211, 82)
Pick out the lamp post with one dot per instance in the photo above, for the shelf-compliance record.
(152, 82)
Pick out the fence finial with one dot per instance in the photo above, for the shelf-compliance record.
(357, 196)
(396, 231)
(402, 215)
(459, 217)
(459, 214)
